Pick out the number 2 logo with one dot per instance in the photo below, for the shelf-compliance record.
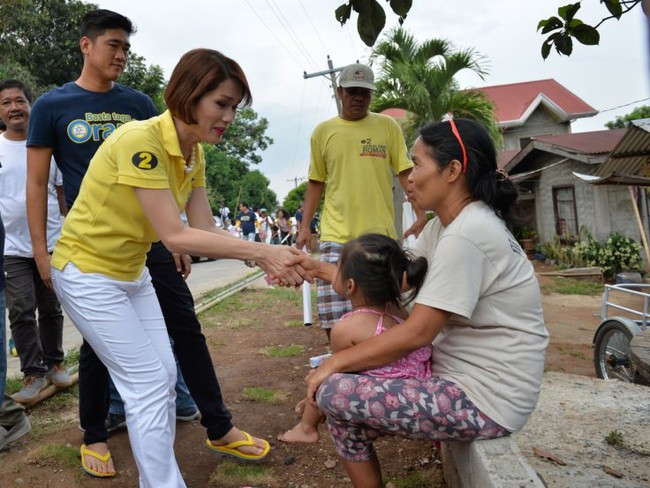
(144, 160)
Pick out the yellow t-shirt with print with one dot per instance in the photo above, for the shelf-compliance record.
(357, 160)
(106, 230)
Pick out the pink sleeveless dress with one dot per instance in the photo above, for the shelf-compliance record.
(416, 364)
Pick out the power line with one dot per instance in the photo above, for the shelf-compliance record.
(625, 105)
(313, 26)
(273, 33)
(289, 30)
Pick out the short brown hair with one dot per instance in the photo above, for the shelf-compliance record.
(198, 72)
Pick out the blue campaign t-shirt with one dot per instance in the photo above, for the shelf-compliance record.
(74, 122)
(247, 222)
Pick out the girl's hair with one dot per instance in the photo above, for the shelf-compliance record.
(377, 265)
(198, 72)
(483, 178)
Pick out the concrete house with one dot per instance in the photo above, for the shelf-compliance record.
(546, 159)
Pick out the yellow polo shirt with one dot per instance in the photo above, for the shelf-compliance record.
(106, 230)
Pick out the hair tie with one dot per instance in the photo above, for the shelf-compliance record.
(502, 174)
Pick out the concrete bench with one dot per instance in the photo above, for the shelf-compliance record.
(496, 463)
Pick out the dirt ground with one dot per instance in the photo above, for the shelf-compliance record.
(241, 332)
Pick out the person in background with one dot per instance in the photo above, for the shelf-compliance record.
(370, 273)
(480, 306)
(298, 217)
(356, 153)
(284, 225)
(38, 339)
(224, 214)
(14, 424)
(137, 185)
(266, 221)
(246, 222)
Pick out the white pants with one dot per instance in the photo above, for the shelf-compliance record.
(123, 323)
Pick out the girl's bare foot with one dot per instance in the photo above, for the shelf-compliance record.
(300, 434)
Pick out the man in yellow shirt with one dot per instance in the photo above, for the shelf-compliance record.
(356, 155)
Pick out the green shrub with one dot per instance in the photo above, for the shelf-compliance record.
(618, 253)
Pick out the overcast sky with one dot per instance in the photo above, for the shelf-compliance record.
(275, 41)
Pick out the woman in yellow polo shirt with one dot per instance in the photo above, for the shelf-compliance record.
(140, 180)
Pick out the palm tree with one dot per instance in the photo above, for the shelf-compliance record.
(419, 78)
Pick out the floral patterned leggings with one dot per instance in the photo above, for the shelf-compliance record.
(361, 408)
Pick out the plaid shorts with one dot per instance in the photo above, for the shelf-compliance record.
(331, 306)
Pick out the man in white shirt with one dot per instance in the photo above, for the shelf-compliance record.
(38, 341)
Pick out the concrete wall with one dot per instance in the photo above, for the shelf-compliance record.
(601, 209)
(538, 124)
(496, 463)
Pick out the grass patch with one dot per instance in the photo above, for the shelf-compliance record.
(284, 351)
(13, 385)
(58, 455)
(570, 286)
(71, 358)
(294, 323)
(227, 306)
(231, 475)
(615, 438)
(264, 395)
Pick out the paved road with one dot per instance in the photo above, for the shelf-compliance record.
(205, 276)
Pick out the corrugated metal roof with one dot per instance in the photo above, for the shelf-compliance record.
(594, 142)
(631, 155)
(514, 102)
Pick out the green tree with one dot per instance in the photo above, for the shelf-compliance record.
(228, 164)
(246, 136)
(11, 69)
(420, 78)
(43, 36)
(40, 45)
(256, 191)
(297, 195)
(147, 79)
(622, 122)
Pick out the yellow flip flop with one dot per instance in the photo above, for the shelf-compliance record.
(231, 449)
(103, 458)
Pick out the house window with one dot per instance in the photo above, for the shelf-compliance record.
(566, 216)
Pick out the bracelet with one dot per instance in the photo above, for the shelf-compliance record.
(250, 263)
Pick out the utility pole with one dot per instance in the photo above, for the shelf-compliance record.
(331, 72)
(295, 181)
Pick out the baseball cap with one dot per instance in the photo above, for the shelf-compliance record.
(262, 210)
(357, 75)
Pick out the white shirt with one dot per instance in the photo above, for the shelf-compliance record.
(494, 343)
(13, 180)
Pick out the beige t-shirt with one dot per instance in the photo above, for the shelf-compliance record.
(494, 343)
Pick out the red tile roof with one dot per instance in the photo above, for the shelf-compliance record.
(595, 142)
(396, 113)
(515, 102)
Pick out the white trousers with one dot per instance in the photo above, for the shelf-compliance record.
(123, 323)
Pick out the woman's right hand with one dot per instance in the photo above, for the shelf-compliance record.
(280, 262)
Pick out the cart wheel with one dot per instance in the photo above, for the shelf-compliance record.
(612, 352)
